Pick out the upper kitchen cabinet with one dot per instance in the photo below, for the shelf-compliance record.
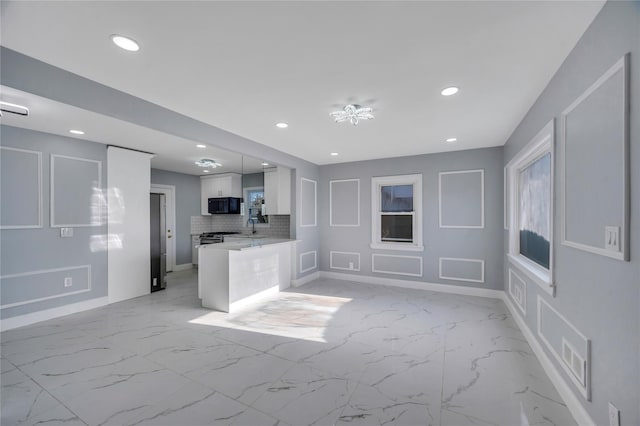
(222, 185)
(277, 190)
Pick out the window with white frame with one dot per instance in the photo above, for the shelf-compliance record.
(396, 208)
(530, 207)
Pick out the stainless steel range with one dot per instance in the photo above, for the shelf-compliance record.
(214, 237)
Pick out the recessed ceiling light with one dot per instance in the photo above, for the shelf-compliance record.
(334, 154)
(200, 146)
(265, 164)
(451, 140)
(282, 125)
(206, 171)
(448, 91)
(125, 43)
(76, 132)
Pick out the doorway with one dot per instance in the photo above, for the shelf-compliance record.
(169, 192)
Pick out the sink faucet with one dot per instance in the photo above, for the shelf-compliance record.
(253, 224)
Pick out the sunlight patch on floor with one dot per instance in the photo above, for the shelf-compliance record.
(294, 315)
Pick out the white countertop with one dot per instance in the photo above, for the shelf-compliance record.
(246, 243)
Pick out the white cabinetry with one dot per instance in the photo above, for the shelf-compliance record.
(223, 185)
(277, 190)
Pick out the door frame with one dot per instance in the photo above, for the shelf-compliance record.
(170, 199)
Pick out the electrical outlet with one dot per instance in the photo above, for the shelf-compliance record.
(614, 415)
(66, 232)
(350, 265)
(612, 238)
(68, 281)
(155, 282)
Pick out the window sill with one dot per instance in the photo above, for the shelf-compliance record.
(399, 247)
(537, 274)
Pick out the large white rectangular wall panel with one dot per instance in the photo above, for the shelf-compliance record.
(458, 269)
(129, 184)
(397, 264)
(344, 202)
(21, 180)
(76, 192)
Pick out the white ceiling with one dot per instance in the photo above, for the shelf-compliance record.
(171, 152)
(243, 66)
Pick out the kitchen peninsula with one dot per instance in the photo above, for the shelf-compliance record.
(241, 270)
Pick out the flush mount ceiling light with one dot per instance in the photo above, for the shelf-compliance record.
(206, 162)
(13, 109)
(282, 125)
(352, 113)
(125, 43)
(451, 140)
(76, 132)
(448, 91)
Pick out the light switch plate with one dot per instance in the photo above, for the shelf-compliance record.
(614, 415)
(612, 238)
(66, 232)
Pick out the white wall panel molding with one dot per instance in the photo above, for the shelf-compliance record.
(304, 258)
(554, 335)
(444, 220)
(20, 195)
(95, 208)
(574, 405)
(8, 280)
(518, 291)
(607, 165)
(449, 276)
(344, 203)
(308, 202)
(400, 268)
(350, 260)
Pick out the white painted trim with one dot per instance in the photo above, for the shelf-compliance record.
(48, 314)
(585, 389)
(623, 254)
(183, 267)
(315, 261)
(331, 253)
(257, 297)
(315, 204)
(523, 305)
(331, 182)
(460, 259)
(163, 189)
(52, 193)
(40, 192)
(46, 271)
(306, 279)
(505, 198)
(376, 240)
(574, 405)
(454, 172)
(373, 264)
(541, 144)
(416, 285)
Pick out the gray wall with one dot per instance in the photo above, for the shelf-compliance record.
(30, 75)
(42, 249)
(187, 205)
(484, 244)
(600, 296)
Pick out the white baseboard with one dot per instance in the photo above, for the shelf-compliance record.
(183, 267)
(47, 314)
(417, 285)
(306, 279)
(574, 405)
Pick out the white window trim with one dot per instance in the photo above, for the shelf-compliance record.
(540, 145)
(376, 183)
(245, 194)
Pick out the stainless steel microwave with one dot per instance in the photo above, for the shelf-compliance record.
(224, 205)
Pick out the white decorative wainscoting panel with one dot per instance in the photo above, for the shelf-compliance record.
(461, 199)
(459, 269)
(77, 197)
(36, 286)
(344, 202)
(21, 188)
(396, 264)
(344, 260)
(518, 291)
(308, 261)
(568, 345)
(308, 202)
(594, 188)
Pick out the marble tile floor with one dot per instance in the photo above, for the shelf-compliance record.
(328, 353)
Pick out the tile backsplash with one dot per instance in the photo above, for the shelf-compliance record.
(278, 225)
